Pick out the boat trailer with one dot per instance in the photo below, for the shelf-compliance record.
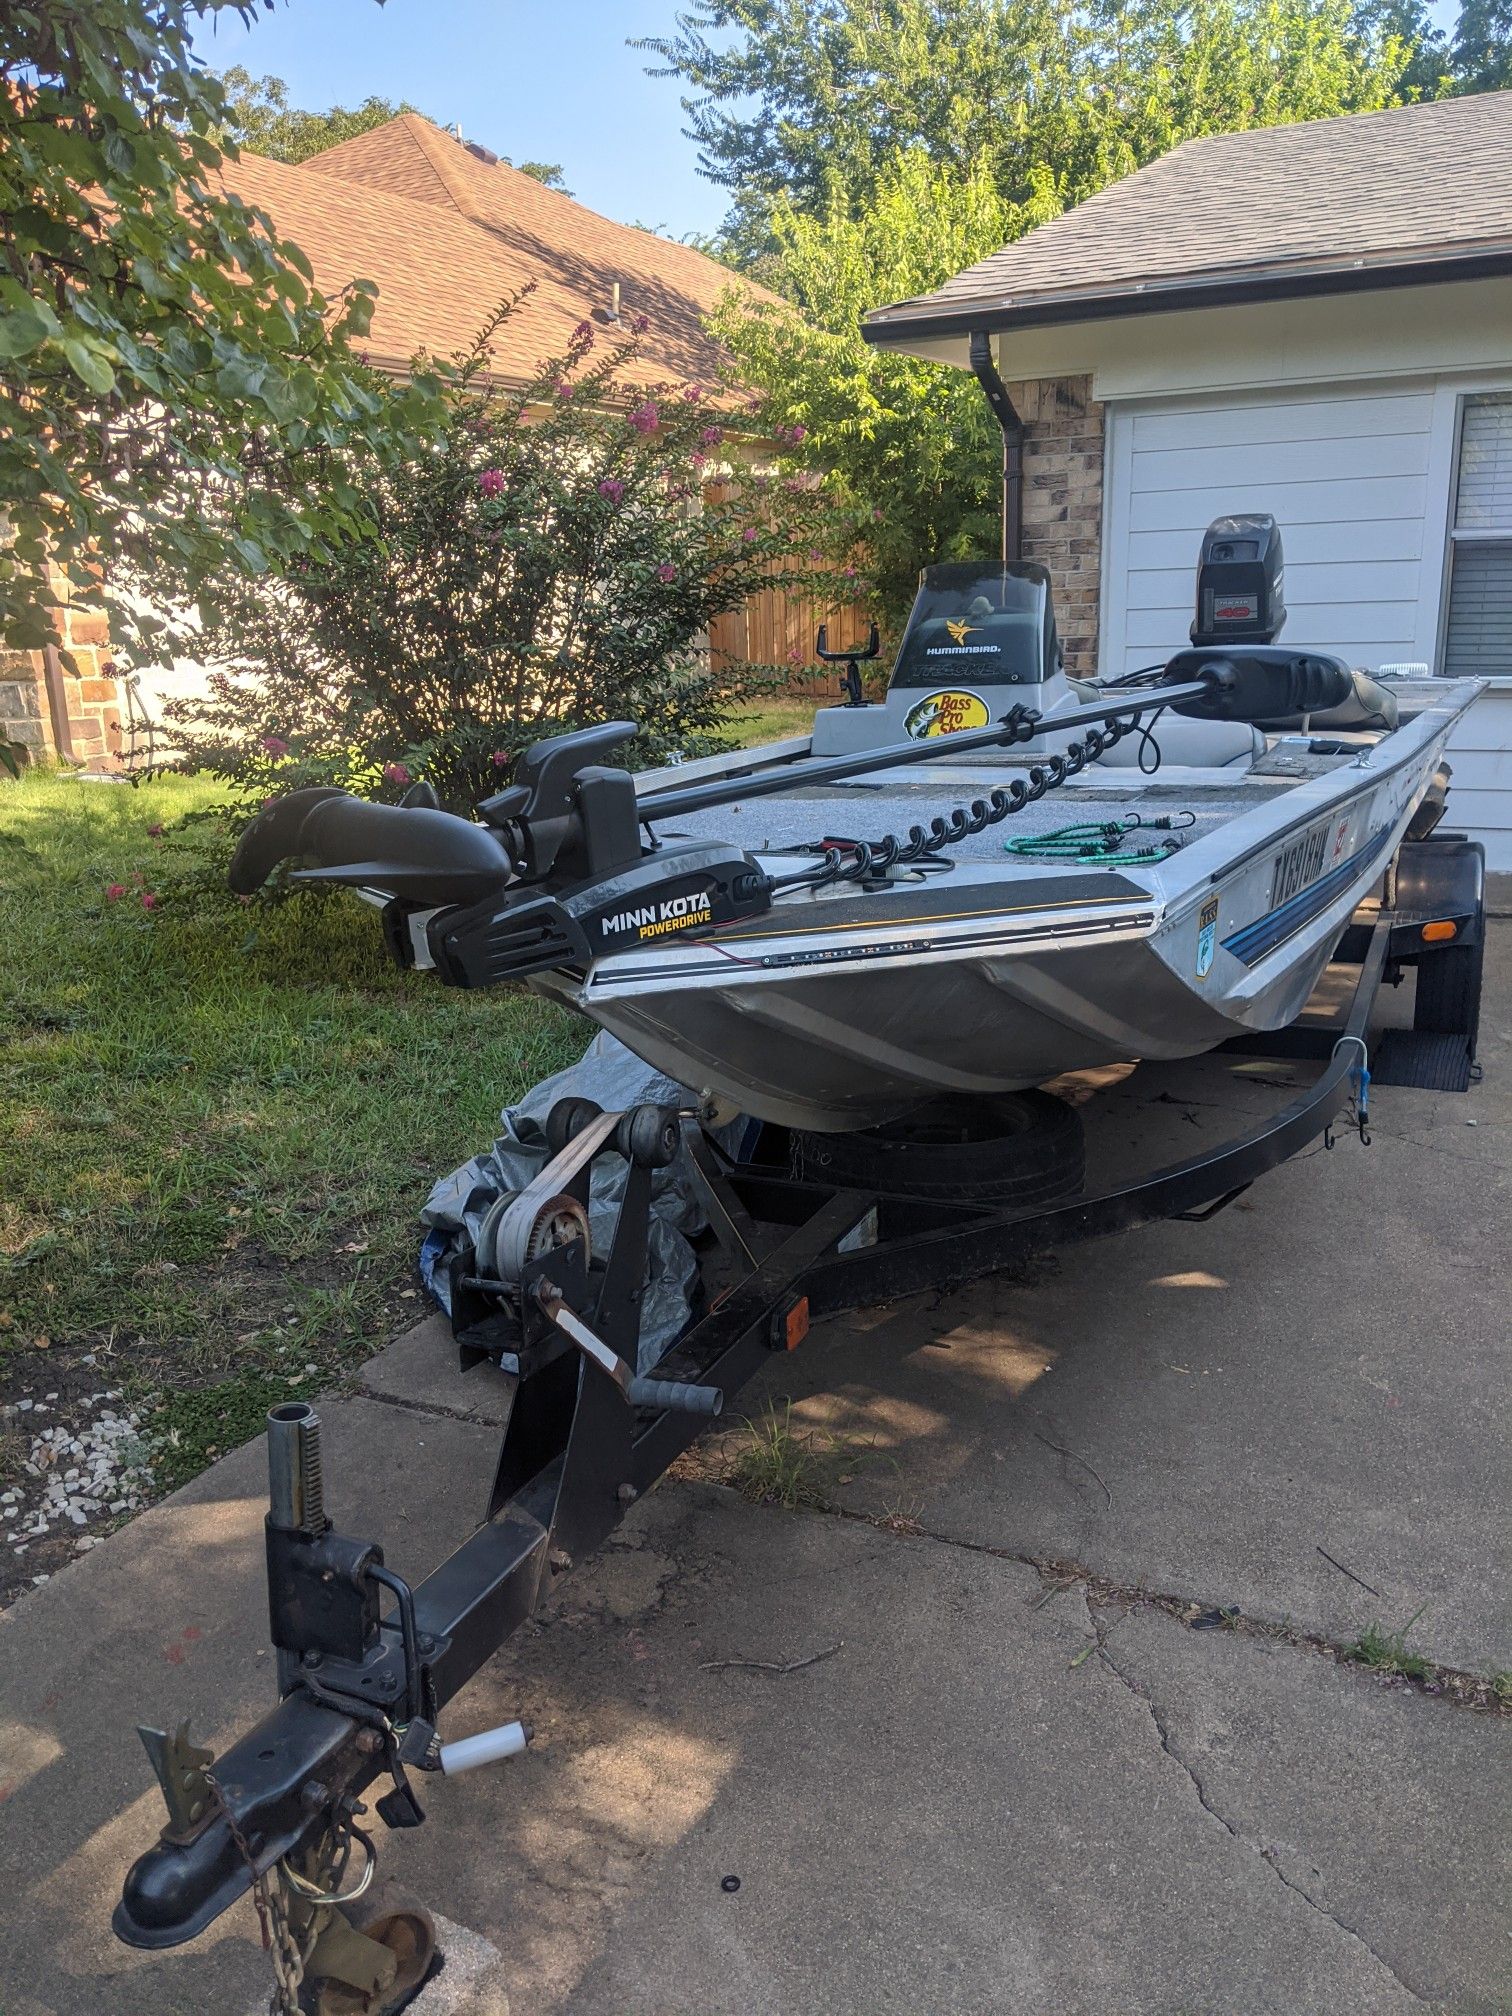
(366, 1665)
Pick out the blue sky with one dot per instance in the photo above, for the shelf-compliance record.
(538, 80)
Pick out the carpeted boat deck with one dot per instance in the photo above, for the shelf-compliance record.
(869, 811)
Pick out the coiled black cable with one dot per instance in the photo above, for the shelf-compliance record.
(859, 860)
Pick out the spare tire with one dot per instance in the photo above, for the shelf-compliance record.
(1018, 1151)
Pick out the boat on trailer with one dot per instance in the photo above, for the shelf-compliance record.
(990, 877)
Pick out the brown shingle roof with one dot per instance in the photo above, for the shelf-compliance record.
(446, 236)
(1417, 186)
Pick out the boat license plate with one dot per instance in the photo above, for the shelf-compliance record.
(1300, 864)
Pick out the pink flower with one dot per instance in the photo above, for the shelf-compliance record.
(564, 390)
(795, 656)
(666, 571)
(815, 554)
(693, 393)
(645, 419)
(712, 436)
(583, 335)
(612, 488)
(850, 573)
(396, 773)
(115, 892)
(500, 759)
(749, 533)
(491, 482)
(698, 460)
(275, 745)
(797, 432)
(155, 832)
(149, 901)
(639, 324)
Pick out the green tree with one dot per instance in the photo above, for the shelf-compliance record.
(260, 118)
(547, 173)
(797, 97)
(914, 448)
(552, 561)
(875, 147)
(162, 350)
(1481, 53)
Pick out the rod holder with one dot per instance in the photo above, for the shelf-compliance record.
(296, 1484)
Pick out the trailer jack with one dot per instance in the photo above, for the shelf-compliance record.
(365, 1663)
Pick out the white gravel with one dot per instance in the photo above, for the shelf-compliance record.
(94, 1470)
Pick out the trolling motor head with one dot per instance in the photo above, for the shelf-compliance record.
(556, 873)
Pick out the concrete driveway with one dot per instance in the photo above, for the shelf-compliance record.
(958, 1725)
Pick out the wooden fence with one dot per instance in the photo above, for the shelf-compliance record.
(775, 628)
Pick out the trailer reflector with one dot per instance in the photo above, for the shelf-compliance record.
(790, 1325)
(1435, 934)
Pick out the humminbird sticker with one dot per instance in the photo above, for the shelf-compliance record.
(656, 920)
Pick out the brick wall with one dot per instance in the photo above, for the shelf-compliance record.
(1063, 486)
(80, 720)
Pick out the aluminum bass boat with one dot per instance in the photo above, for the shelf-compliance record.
(992, 876)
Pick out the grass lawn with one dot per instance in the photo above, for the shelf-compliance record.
(221, 1121)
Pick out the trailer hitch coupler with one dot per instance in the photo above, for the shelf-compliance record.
(296, 1485)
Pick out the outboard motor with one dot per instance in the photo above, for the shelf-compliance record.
(1240, 594)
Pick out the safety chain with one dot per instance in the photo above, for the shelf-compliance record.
(279, 1940)
(858, 859)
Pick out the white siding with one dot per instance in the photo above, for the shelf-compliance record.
(1480, 755)
(1346, 477)
(1359, 478)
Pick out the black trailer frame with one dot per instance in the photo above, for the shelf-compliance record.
(360, 1693)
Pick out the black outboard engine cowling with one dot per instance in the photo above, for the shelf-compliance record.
(1240, 594)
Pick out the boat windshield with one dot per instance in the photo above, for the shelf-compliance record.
(980, 621)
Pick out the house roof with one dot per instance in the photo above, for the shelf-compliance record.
(1370, 200)
(446, 235)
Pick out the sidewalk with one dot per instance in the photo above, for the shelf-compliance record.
(1016, 1784)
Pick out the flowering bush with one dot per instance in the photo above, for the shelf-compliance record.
(554, 562)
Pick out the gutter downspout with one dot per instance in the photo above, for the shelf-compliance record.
(1013, 444)
(57, 703)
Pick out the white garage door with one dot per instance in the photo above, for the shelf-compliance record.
(1347, 476)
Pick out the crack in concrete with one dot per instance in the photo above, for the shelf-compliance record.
(1204, 1799)
(1456, 1687)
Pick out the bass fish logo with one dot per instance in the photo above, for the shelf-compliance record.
(945, 713)
(959, 632)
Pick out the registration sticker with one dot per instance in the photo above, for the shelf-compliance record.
(1300, 864)
(1207, 936)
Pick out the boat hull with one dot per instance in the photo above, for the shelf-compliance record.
(839, 1016)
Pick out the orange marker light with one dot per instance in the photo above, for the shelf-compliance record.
(795, 1324)
(1435, 934)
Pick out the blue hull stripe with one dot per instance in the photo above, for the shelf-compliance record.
(1253, 943)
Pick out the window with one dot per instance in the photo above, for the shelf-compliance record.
(1478, 635)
